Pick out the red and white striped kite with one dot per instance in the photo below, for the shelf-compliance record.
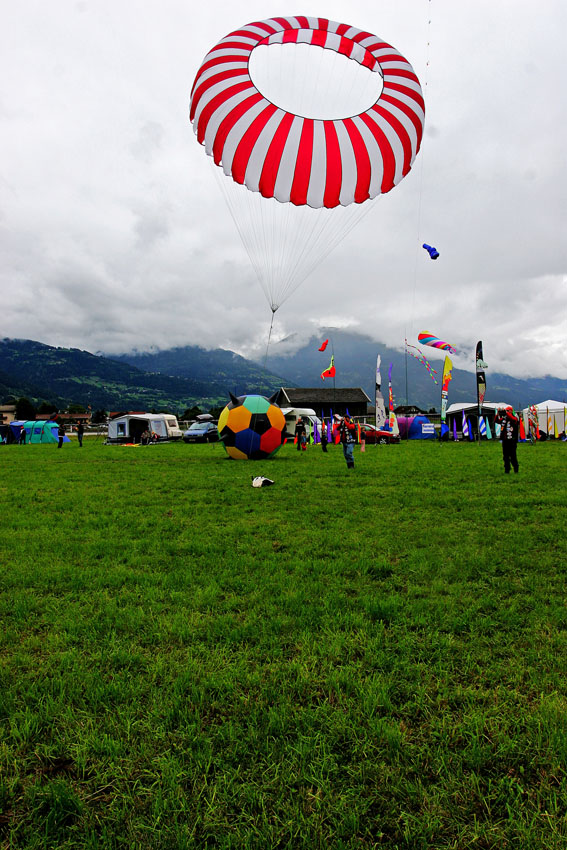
(302, 160)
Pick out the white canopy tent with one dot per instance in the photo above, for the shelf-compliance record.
(551, 416)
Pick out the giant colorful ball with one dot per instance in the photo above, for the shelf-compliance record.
(251, 427)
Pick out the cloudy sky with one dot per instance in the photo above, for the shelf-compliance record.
(114, 233)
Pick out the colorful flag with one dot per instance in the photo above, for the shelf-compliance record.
(533, 421)
(331, 371)
(428, 339)
(324, 345)
(482, 426)
(392, 417)
(455, 430)
(556, 432)
(465, 425)
(447, 377)
(488, 431)
(480, 376)
(379, 398)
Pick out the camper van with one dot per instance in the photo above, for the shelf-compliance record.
(292, 414)
(130, 427)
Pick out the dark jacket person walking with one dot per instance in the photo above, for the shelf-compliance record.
(509, 426)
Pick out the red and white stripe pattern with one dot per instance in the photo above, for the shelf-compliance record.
(304, 160)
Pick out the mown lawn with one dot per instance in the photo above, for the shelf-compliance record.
(357, 659)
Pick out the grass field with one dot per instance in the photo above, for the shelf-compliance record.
(357, 659)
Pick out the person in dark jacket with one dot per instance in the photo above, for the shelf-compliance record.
(60, 435)
(509, 426)
(80, 432)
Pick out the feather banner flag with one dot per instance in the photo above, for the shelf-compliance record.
(323, 346)
(465, 425)
(379, 398)
(434, 342)
(392, 417)
(455, 430)
(447, 377)
(482, 426)
(488, 431)
(331, 371)
(480, 375)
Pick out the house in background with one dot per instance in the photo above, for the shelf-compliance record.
(325, 400)
(7, 413)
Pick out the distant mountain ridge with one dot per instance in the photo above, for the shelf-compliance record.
(181, 377)
(355, 361)
(68, 375)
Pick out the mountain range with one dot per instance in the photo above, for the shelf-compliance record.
(178, 378)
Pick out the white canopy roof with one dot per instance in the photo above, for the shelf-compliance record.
(550, 405)
(472, 405)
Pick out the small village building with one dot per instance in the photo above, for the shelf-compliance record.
(7, 413)
(325, 400)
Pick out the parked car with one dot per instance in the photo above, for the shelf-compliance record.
(373, 435)
(201, 432)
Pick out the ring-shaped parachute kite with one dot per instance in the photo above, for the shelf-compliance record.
(309, 163)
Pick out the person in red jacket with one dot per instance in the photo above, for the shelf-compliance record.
(347, 437)
(509, 425)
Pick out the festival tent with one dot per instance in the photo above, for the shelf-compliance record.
(488, 412)
(549, 414)
(37, 431)
(416, 428)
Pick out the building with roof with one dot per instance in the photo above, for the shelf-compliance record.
(325, 400)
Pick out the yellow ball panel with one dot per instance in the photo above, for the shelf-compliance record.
(223, 418)
(235, 453)
(276, 417)
(238, 419)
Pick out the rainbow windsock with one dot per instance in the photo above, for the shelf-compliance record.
(428, 339)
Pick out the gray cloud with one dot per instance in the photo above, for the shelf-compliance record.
(114, 235)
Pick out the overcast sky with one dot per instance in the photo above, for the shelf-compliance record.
(114, 234)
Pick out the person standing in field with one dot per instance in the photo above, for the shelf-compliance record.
(509, 425)
(347, 438)
(22, 440)
(300, 433)
(80, 432)
(324, 440)
(60, 434)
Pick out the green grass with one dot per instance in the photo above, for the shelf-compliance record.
(342, 660)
